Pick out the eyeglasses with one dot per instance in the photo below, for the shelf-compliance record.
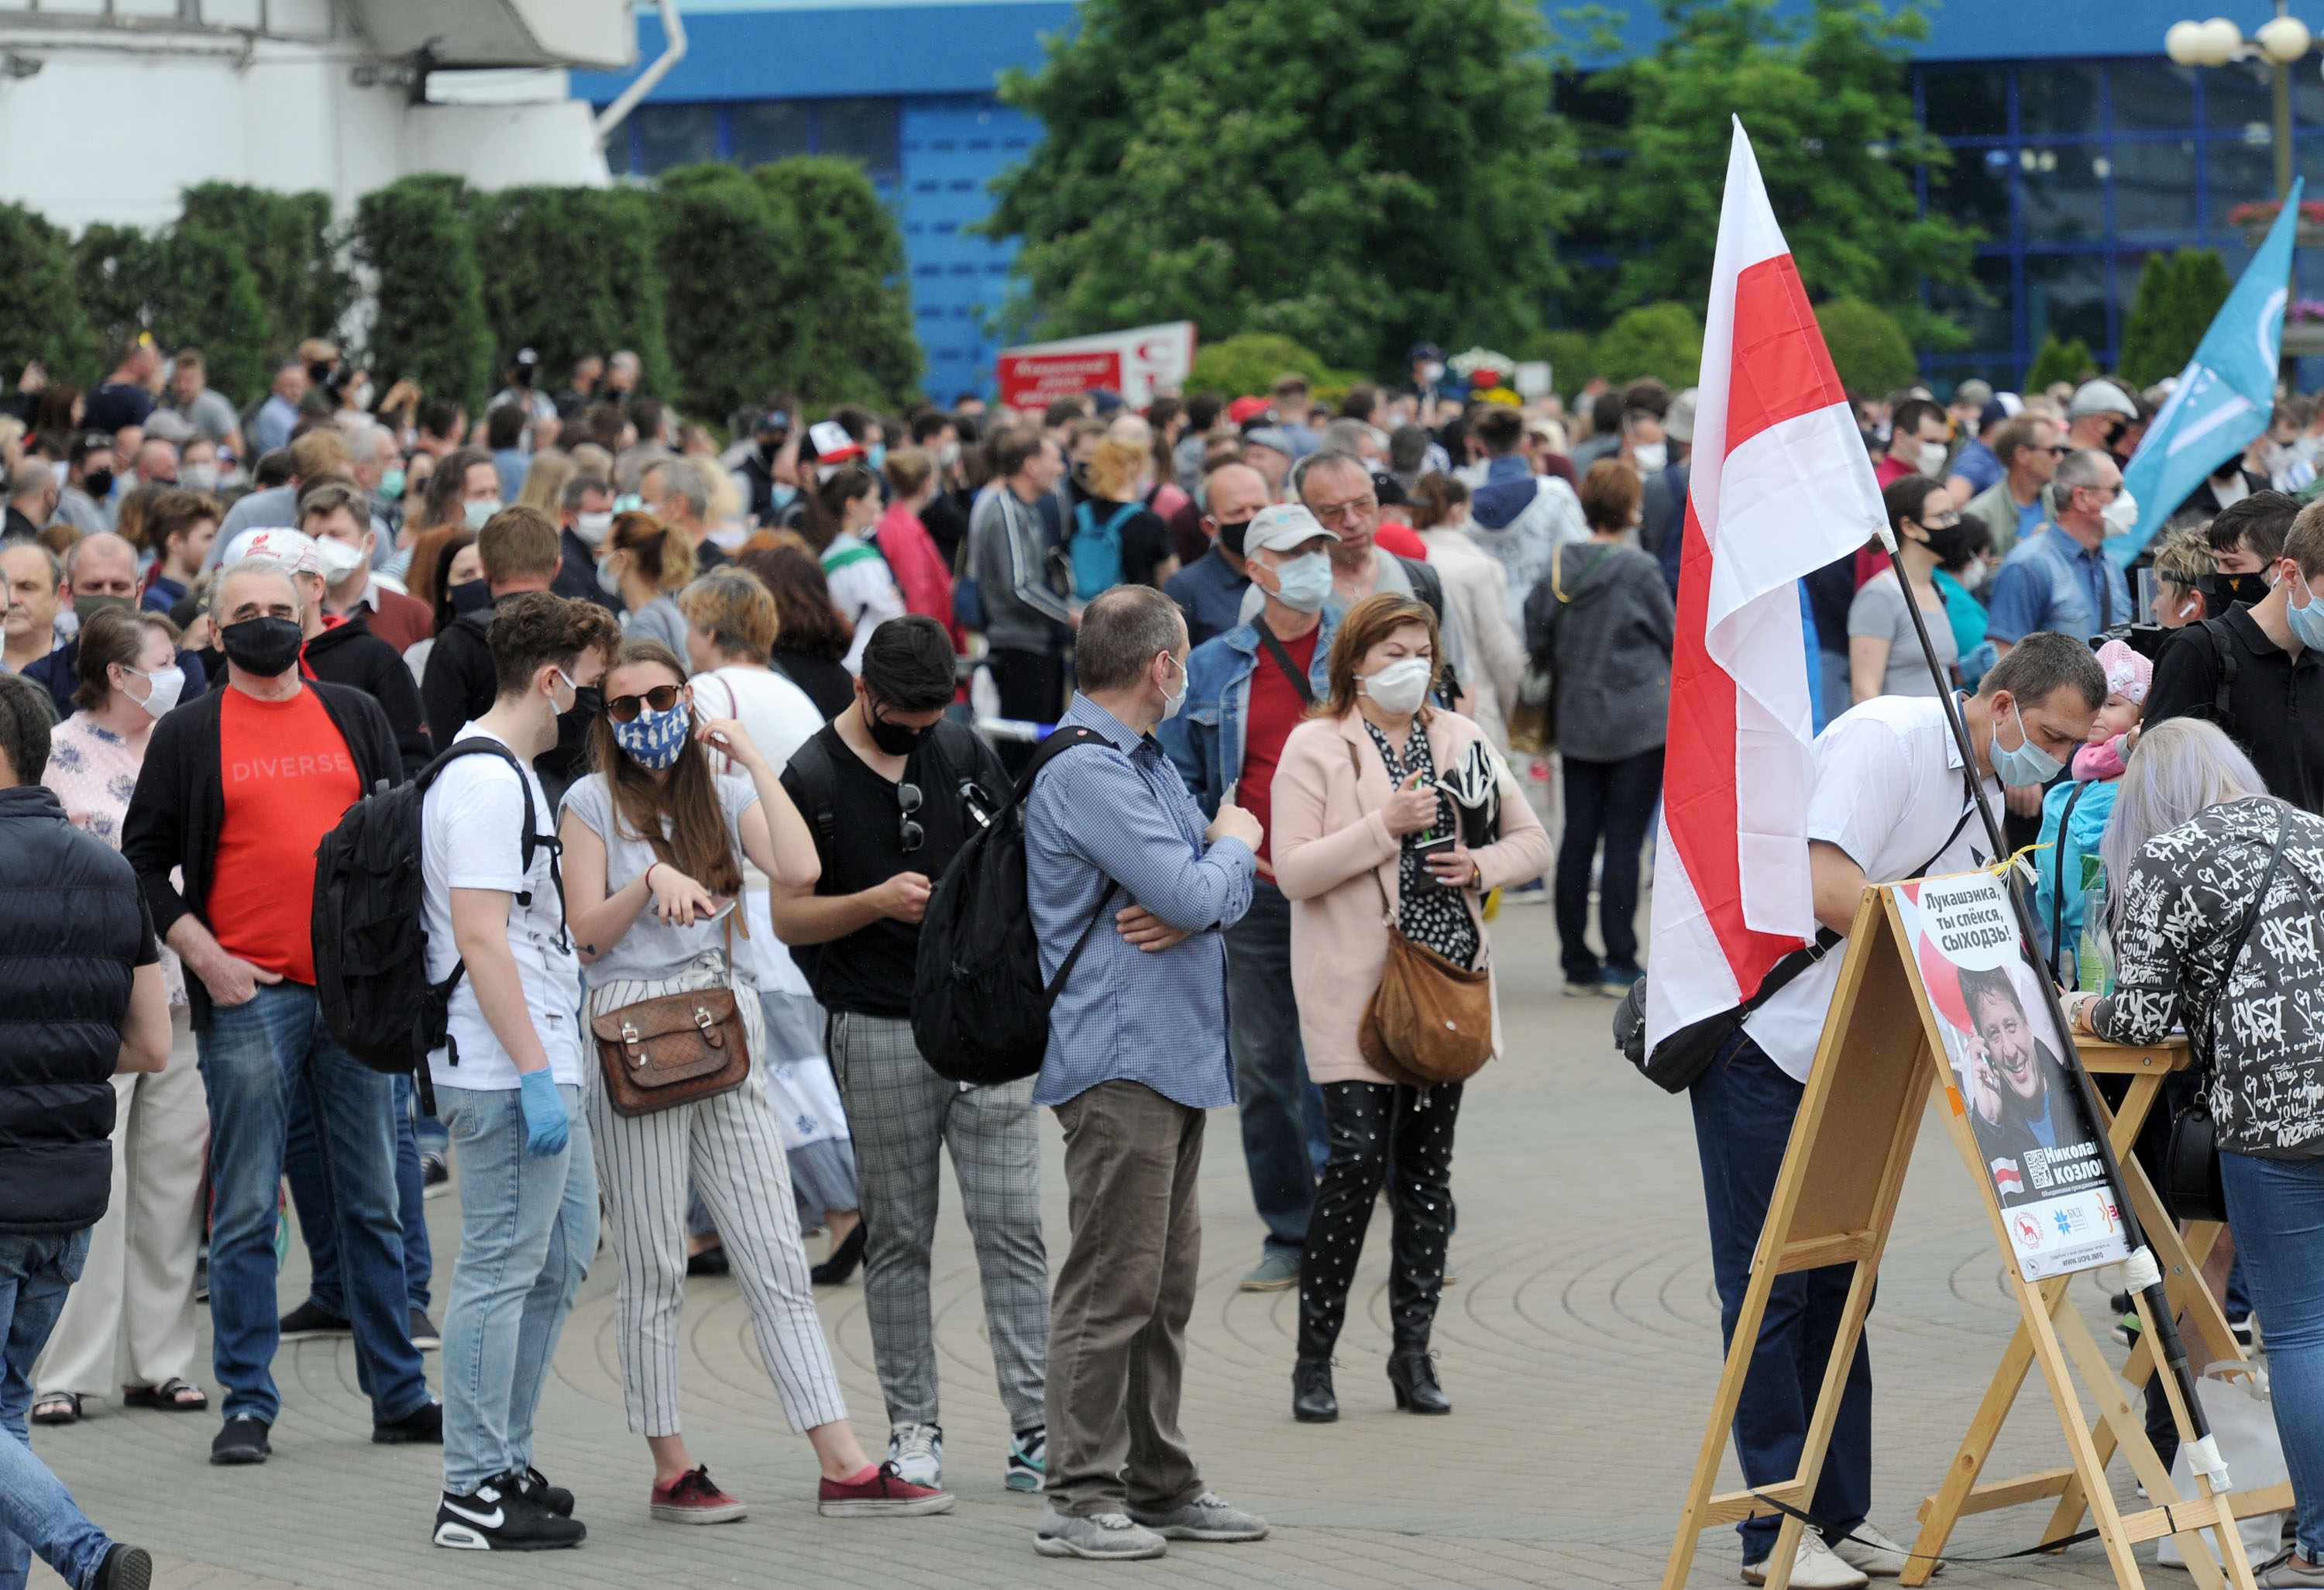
(909, 835)
(625, 708)
(1362, 504)
(1947, 522)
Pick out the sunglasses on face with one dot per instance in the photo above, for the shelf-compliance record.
(625, 708)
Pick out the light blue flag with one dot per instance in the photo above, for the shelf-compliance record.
(2224, 395)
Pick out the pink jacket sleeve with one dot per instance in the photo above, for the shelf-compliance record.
(2096, 763)
(1309, 862)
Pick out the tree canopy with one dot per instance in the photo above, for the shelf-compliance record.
(1357, 175)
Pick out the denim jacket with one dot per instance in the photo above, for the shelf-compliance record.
(1205, 739)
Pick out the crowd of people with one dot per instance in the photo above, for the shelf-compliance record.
(700, 727)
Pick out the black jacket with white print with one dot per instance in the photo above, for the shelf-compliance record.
(2183, 910)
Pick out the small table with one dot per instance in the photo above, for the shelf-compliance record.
(2182, 1258)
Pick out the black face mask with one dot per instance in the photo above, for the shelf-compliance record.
(1949, 542)
(895, 739)
(2222, 591)
(470, 595)
(1231, 534)
(265, 646)
(97, 483)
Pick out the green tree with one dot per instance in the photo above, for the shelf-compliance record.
(2060, 361)
(1825, 102)
(852, 337)
(428, 321)
(572, 271)
(1356, 174)
(1664, 340)
(2178, 295)
(40, 314)
(1241, 366)
(727, 259)
(113, 269)
(1869, 348)
(291, 250)
(206, 295)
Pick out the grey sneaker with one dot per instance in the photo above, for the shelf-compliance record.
(1105, 1537)
(1277, 1273)
(1206, 1518)
(2284, 1572)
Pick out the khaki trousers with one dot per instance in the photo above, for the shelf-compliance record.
(1117, 1321)
(136, 1291)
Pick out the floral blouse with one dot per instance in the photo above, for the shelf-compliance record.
(2183, 910)
(1427, 912)
(94, 772)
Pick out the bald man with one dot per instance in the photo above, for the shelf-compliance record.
(1208, 590)
(100, 572)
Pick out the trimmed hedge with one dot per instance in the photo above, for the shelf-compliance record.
(427, 323)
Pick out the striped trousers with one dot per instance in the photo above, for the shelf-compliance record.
(730, 1147)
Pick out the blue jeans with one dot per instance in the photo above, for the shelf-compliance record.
(1285, 1139)
(254, 1057)
(310, 1193)
(36, 1512)
(528, 1231)
(2276, 1209)
(1743, 1110)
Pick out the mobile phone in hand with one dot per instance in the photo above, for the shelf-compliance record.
(1441, 845)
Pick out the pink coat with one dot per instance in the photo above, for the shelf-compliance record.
(1329, 834)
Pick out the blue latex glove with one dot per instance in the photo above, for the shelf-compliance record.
(546, 1128)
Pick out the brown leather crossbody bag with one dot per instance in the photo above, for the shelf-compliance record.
(677, 1048)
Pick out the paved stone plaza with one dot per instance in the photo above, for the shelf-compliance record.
(1580, 1346)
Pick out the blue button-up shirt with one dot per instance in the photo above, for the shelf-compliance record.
(1119, 812)
(2054, 582)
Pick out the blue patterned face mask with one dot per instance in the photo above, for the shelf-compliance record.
(653, 739)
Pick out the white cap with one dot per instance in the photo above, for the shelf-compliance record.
(1285, 527)
(294, 549)
(2100, 396)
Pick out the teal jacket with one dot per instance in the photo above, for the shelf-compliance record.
(2070, 835)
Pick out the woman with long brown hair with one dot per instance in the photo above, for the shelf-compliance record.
(1361, 820)
(811, 636)
(653, 844)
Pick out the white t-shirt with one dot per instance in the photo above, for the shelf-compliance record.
(471, 828)
(1888, 792)
(652, 949)
(779, 716)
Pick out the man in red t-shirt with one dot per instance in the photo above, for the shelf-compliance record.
(1242, 701)
(239, 786)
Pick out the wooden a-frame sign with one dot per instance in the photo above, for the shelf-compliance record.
(1880, 1059)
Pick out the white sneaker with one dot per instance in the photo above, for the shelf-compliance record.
(918, 1452)
(1874, 1553)
(1813, 1568)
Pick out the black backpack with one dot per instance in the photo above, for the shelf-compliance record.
(371, 940)
(980, 1004)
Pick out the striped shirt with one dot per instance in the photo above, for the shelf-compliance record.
(1120, 813)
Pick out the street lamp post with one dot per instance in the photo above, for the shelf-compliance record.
(2281, 41)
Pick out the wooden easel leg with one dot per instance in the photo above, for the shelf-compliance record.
(1943, 1510)
(1719, 1430)
(2067, 1400)
(2128, 1428)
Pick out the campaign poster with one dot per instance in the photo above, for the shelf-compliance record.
(2000, 1031)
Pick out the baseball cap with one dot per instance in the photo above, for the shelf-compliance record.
(1423, 350)
(1973, 391)
(1248, 408)
(1678, 419)
(831, 443)
(2006, 405)
(294, 549)
(1284, 526)
(2101, 397)
(1270, 436)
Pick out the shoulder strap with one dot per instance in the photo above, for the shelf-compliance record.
(1121, 516)
(1426, 583)
(820, 782)
(478, 745)
(2223, 653)
(1299, 681)
(1556, 564)
(1061, 739)
(2058, 872)
(1969, 809)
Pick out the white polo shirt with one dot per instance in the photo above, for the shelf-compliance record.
(1888, 792)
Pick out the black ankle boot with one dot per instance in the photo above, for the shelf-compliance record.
(1312, 1402)
(1413, 1372)
(834, 1270)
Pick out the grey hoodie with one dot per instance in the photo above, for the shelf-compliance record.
(1611, 641)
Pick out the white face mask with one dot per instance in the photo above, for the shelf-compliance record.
(1172, 704)
(592, 528)
(478, 513)
(2121, 515)
(198, 478)
(339, 559)
(1932, 460)
(168, 684)
(1653, 457)
(1431, 372)
(1402, 686)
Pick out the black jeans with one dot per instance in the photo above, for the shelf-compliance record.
(1613, 801)
(1379, 1130)
(1032, 687)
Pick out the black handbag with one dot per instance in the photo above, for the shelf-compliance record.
(2191, 1185)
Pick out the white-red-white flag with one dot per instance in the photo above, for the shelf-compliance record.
(1780, 485)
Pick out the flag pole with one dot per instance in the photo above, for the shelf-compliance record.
(2164, 1322)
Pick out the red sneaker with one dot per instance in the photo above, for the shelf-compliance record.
(879, 1492)
(692, 1499)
